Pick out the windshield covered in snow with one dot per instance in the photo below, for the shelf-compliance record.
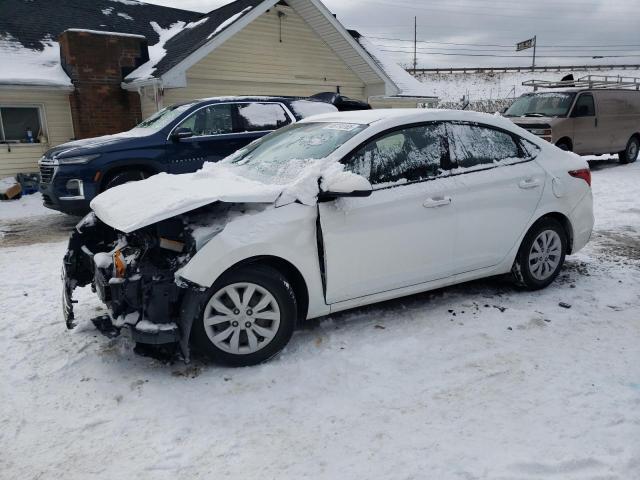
(280, 157)
(548, 104)
(164, 117)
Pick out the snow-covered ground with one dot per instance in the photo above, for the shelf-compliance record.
(478, 381)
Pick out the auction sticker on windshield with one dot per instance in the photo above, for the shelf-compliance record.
(346, 127)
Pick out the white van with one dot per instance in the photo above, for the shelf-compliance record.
(594, 116)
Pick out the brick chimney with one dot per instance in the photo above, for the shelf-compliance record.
(97, 63)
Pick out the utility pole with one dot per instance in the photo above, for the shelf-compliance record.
(535, 41)
(415, 44)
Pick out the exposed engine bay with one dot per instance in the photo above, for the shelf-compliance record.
(133, 274)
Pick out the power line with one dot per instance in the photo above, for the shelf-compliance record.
(509, 56)
(498, 45)
(565, 51)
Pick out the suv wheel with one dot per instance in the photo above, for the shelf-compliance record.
(247, 317)
(125, 176)
(630, 154)
(541, 255)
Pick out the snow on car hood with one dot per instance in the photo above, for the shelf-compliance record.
(136, 205)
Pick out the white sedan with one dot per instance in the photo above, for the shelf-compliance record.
(335, 212)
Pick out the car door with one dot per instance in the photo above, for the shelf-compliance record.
(496, 189)
(587, 136)
(402, 234)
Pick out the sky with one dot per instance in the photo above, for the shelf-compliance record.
(471, 33)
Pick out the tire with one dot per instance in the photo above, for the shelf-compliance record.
(236, 335)
(564, 145)
(548, 237)
(630, 154)
(125, 176)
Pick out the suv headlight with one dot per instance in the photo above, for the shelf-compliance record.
(77, 160)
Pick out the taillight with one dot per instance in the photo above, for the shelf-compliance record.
(584, 174)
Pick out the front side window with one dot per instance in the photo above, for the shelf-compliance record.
(212, 120)
(20, 124)
(473, 145)
(585, 106)
(258, 117)
(410, 155)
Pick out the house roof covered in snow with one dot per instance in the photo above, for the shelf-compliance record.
(407, 84)
(29, 30)
(183, 40)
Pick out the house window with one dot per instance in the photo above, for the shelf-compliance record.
(20, 124)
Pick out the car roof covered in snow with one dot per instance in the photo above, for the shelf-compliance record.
(412, 115)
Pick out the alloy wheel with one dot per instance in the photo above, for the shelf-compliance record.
(545, 255)
(241, 318)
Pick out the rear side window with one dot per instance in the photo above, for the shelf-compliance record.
(410, 154)
(473, 145)
(211, 120)
(257, 117)
(585, 106)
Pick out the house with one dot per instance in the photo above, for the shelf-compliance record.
(76, 69)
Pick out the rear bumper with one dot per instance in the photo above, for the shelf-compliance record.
(582, 221)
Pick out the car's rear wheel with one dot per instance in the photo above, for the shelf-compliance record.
(564, 145)
(124, 176)
(630, 154)
(541, 255)
(247, 317)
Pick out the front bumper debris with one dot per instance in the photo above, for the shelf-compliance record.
(140, 294)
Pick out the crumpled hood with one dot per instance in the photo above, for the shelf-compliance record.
(135, 205)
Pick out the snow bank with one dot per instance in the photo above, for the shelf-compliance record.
(451, 87)
(23, 66)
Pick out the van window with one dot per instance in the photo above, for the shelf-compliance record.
(585, 106)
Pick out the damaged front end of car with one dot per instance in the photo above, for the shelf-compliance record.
(133, 274)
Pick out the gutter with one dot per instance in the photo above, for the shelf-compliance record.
(26, 86)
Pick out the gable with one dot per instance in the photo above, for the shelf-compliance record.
(277, 47)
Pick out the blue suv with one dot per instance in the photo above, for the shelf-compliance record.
(177, 139)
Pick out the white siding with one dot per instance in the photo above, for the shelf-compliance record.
(18, 158)
(255, 62)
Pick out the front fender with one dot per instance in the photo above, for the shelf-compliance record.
(287, 233)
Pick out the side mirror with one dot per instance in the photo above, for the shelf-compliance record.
(180, 133)
(344, 184)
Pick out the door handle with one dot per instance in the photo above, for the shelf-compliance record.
(435, 202)
(529, 183)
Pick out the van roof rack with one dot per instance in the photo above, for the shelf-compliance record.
(589, 81)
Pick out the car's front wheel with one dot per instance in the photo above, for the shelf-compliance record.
(541, 255)
(246, 317)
